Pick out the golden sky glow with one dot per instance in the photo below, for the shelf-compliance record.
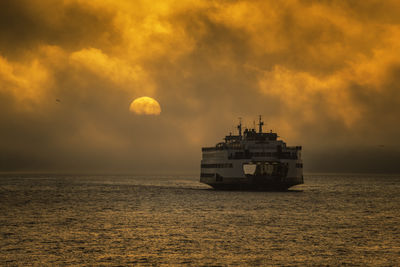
(325, 75)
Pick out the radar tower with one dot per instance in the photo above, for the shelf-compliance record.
(240, 126)
(260, 124)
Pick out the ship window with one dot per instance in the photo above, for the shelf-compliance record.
(217, 165)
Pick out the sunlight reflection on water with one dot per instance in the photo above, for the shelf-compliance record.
(122, 220)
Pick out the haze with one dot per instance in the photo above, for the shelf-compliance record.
(324, 75)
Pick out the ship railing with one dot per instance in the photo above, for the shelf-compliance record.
(240, 156)
(249, 155)
(205, 149)
(294, 147)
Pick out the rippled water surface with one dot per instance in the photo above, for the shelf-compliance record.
(128, 220)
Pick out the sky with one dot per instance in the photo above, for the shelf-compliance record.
(323, 74)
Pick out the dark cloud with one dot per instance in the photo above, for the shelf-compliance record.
(25, 25)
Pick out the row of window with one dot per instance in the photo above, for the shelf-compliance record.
(217, 165)
(282, 155)
(207, 174)
(299, 165)
(248, 155)
(212, 148)
(211, 155)
(222, 146)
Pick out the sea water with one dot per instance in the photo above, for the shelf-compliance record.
(333, 219)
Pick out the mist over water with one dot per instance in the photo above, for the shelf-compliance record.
(127, 220)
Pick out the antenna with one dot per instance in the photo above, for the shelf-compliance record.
(240, 126)
(260, 124)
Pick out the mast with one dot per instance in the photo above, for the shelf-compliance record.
(260, 124)
(240, 126)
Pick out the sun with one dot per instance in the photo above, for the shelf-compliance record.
(145, 106)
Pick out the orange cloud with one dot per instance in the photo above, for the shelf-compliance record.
(27, 82)
(129, 77)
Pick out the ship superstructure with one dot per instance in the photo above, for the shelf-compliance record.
(252, 161)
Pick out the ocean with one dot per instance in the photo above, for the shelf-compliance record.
(331, 220)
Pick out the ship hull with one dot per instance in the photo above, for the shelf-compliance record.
(254, 183)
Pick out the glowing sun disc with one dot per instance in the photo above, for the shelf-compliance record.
(145, 106)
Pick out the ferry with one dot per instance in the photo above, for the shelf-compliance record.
(252, 161)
